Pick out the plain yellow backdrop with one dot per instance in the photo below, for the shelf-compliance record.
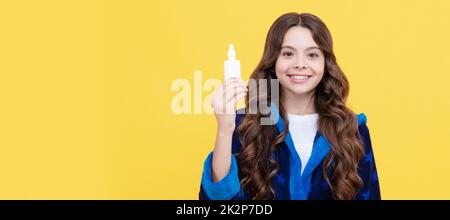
(85, 90)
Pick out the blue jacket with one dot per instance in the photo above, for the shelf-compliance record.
(289, 183)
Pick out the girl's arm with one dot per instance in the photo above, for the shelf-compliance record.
(220, 176)
(368, 169)
(224, 104)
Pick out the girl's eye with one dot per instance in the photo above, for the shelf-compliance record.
(287, 53)
(313, 55)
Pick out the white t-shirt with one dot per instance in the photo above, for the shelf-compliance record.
(303, 129)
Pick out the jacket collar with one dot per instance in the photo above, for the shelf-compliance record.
(299, 183)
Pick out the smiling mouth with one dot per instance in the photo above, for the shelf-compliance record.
(299, 78)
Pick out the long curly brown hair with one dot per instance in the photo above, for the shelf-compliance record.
(336, 122)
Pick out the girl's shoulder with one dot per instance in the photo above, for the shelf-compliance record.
(362, 118)
(364, 132)
(240, 114)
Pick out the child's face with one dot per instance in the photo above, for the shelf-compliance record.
(300, 64)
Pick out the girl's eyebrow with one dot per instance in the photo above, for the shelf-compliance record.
(292, 48)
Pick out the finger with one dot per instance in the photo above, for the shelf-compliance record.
(225, 90)
(225, 107)
(220, 91)
(228, 89)
(225, 86)
(240, 96)
(237, 97)
(231, 84)
(232, 80)
(232, 92)
(233, 103)
(226, 83)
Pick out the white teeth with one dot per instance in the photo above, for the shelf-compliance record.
(299, 77)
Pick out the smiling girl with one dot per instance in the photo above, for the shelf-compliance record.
(319, 149)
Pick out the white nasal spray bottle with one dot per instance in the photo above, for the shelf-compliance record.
(232, 67)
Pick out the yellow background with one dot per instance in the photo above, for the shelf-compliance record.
(85, 91)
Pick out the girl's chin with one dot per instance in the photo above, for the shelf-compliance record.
(299, 90)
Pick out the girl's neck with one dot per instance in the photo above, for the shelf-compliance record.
(299, 104)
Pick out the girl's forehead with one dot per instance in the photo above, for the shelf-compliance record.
(299, 38)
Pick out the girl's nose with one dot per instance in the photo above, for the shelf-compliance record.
(300, 66)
